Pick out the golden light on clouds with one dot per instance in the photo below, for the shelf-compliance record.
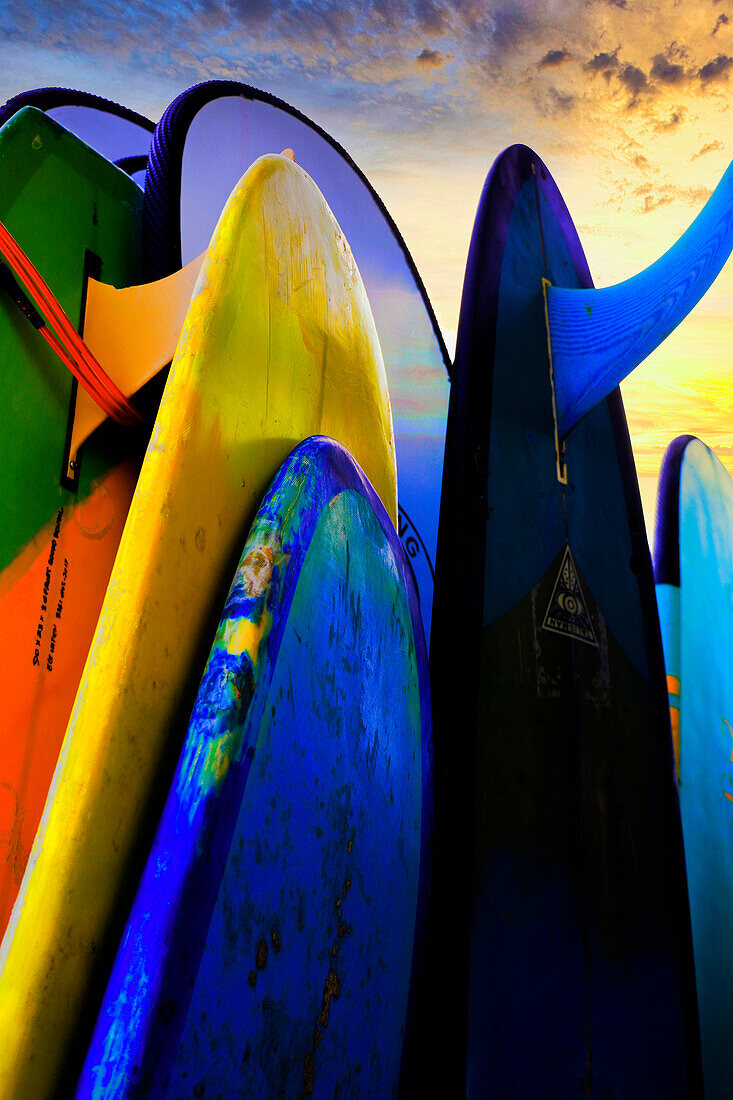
(627, 102)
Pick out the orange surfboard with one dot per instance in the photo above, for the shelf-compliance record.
(75, 215)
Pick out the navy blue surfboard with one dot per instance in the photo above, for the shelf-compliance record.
(559, 929)
(693, 566)
(272, 942)
(203, 143)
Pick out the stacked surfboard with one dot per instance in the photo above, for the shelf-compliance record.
(693, 565)
(229, 861)
(279, 344)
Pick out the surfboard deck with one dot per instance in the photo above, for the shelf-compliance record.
(282, 926)
(556, 816)
(693, 565)
(279, 343)
(73, 213)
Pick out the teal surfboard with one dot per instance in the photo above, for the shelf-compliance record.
(693, 565)
(559, 930)
(273, 939)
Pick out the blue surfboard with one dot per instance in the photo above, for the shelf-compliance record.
(693, 565)
(272, 941)
(559, 927)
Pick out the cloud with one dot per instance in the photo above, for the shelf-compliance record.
(652, 196)
(432, 59)
(252, 11)
(710, 147)
(553, 58)
(722, 21)
(604, 63)
(550, 102)
(433, 18)
(715, 70)
(676, 118)
(665, 71)
(633, 78)
(635, 81)
(509, 25)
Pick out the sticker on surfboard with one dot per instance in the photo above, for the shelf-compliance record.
(567, 612)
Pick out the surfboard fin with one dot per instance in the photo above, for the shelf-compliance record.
(597, 337)
(133, 332)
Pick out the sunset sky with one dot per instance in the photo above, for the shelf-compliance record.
(626, 101)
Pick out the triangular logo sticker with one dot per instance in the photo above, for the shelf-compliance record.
(567, 613)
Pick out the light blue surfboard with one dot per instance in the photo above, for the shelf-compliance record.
(694, 573)
(272, 943)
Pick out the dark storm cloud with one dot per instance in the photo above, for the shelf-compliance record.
(664, 71)
(722, 21)
(715, 70)
(553, 58)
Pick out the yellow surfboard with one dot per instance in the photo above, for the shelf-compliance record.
(278, 344)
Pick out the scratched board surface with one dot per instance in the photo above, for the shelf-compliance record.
(201, 146)
(278, 344)
(270, 947)
(556, 815)
(693, 565)
(72, 212)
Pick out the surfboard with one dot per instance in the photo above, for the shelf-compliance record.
(279, 343)
(73, 213)
(559, 878)
(270, 946)
(201, 146)
(693, 565)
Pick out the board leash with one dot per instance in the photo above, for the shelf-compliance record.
(39, 305)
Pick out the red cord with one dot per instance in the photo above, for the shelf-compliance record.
(67, 344)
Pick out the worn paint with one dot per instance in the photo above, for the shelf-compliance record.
(310, 830)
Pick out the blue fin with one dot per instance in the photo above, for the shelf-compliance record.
(597, 337)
